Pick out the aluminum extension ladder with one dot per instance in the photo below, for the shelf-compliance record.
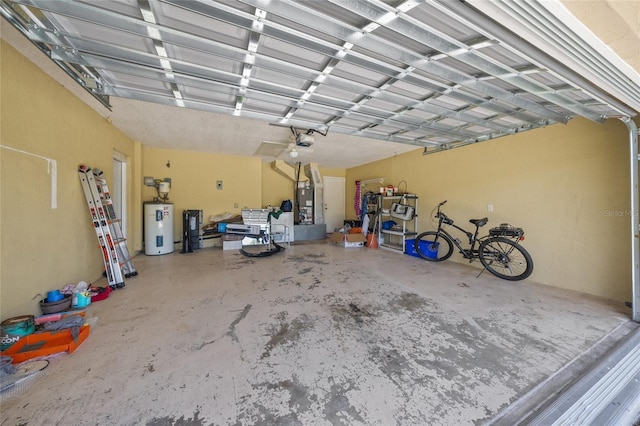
(108, 245)
(115, 224)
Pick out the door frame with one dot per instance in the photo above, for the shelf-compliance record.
(119, 190)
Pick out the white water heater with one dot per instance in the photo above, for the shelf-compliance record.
(158, 228)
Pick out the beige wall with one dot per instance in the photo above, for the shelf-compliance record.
(567, 186)
(277, 188)
(616, 22)
(43, 248)
(193, 182)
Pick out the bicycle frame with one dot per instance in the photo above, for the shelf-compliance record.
(471, 253)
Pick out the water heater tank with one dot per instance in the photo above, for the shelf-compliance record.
(158, 228)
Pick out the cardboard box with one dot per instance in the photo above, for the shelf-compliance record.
(348, 240)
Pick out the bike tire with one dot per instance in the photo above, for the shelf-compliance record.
(442, 251)
(505, 259)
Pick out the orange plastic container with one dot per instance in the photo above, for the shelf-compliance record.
(46, 343)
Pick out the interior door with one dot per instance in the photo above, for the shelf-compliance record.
(119, 189)
(334, 205)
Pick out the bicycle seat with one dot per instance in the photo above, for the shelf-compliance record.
(479, 222)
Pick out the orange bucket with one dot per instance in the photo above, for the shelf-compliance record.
(372, 240)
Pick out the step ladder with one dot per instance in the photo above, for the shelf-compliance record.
(115, 224)
(112, 267)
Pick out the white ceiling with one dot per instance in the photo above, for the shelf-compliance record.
(379, 77)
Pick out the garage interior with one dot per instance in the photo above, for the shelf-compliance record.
(530, 108)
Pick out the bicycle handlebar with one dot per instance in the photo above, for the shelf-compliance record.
(441, 216)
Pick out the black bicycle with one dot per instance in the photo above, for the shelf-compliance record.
(500, 252)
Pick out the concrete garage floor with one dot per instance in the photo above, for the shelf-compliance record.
(316, 335)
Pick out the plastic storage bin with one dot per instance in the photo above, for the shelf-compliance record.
(426, 247)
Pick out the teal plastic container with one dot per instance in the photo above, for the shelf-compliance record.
(13, 329)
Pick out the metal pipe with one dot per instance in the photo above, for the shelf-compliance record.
(635, 220)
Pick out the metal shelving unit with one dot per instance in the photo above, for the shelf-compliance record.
(395, 238)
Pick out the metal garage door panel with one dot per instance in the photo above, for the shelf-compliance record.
(381, 104)
(441, 22)
(376, 68)
(189, 22)
(359, 74)
(290, 53)
(338, 92)
(90, 31)
(124, 7)
(204, 59)
(314, 116)
(222, 96)
(289, 82)
(421, 115)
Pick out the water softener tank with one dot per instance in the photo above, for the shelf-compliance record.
(158, 228)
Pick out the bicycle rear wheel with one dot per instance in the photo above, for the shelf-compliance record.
(505, 259)
(433, 246)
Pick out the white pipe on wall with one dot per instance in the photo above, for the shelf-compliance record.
(52, 169)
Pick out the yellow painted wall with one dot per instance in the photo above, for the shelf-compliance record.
(43, 248)
(567, 186)
(193, 182)
(615, 22)
(277, 188)
(328, 171)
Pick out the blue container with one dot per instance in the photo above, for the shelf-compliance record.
(388, 224)
(222, 227)
(54, 296)
(426, 247)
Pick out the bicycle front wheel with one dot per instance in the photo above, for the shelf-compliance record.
(505, 259)
(433, 246)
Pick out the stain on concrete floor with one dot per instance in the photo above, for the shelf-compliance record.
(318, 335)
(169, 421)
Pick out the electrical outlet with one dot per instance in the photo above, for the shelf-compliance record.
(489, 207)
(235, 205)
(219, 185)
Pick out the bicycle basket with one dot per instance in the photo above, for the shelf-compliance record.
(506, 230)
